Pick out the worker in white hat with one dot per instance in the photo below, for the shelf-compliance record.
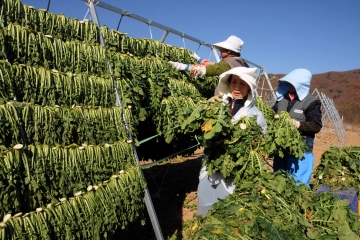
(230, 53)
(237, 88)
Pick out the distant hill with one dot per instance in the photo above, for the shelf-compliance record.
(342, 87)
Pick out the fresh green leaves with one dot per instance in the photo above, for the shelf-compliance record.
(234, 149)
(38, 174)
(258, 209)
(283, 137)
(339, 168)
(92, 213)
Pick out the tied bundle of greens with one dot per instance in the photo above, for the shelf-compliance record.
(35, 175)
(283, 137)
(172, 111)
(92, 213)
(240, 154)
(236, 149)
(210, 120)
(265, 108)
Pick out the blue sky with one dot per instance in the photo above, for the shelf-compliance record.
(280, 35)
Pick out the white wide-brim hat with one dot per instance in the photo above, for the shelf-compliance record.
(246, 74)
(233, 43)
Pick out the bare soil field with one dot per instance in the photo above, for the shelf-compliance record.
(173, 185)
(324, 142)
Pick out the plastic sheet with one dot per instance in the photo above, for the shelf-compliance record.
(348, 194)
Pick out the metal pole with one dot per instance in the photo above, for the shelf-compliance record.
(215, 54)
(164, 36)
(167, 29)
(48, 6)
(145, 20)
(269, 83)
(147, 198)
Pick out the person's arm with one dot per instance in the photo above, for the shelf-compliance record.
(199, 70)
(217, 68)
(313, 123)
(205, 62)
(202, 61)
(211, 70)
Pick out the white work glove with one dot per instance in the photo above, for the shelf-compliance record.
(295, 123)
(179, 66)
(195, 56)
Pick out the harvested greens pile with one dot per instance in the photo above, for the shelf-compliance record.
(275, 208)
(339, 168)
(267, 205)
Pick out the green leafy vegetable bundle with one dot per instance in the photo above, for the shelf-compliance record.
(144, 47)
(171, 113)
(35, 175)
(283, 137)
(236, 149)
(56, 25)
(63, 125)
(38, 49)
(266, 110)
(93, 213)
(51, 87)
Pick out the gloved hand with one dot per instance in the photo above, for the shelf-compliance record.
(195, 56)
(295, 123)
(179, 66)
(216, 98)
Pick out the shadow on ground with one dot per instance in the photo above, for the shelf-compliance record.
(168, 184)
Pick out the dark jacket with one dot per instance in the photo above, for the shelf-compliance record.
(308, 112)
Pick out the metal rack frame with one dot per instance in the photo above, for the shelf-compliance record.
(167, 30)
(262, 72)
(147, 197)
(331, 116)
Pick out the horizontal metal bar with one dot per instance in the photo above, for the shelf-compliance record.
(148, 21)
(167, 29)
(254, 64)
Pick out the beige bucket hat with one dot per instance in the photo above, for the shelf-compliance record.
(233, 43)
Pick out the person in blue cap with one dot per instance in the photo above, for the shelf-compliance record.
(293, 96)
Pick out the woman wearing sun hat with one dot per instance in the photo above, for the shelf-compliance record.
(230, 53)
(238, 88)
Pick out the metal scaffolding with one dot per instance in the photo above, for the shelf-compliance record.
(147, 197)
(264, 88)
(332, 124)
(268, 91)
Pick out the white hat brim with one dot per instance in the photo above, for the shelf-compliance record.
(225, 45)
(246, 74)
